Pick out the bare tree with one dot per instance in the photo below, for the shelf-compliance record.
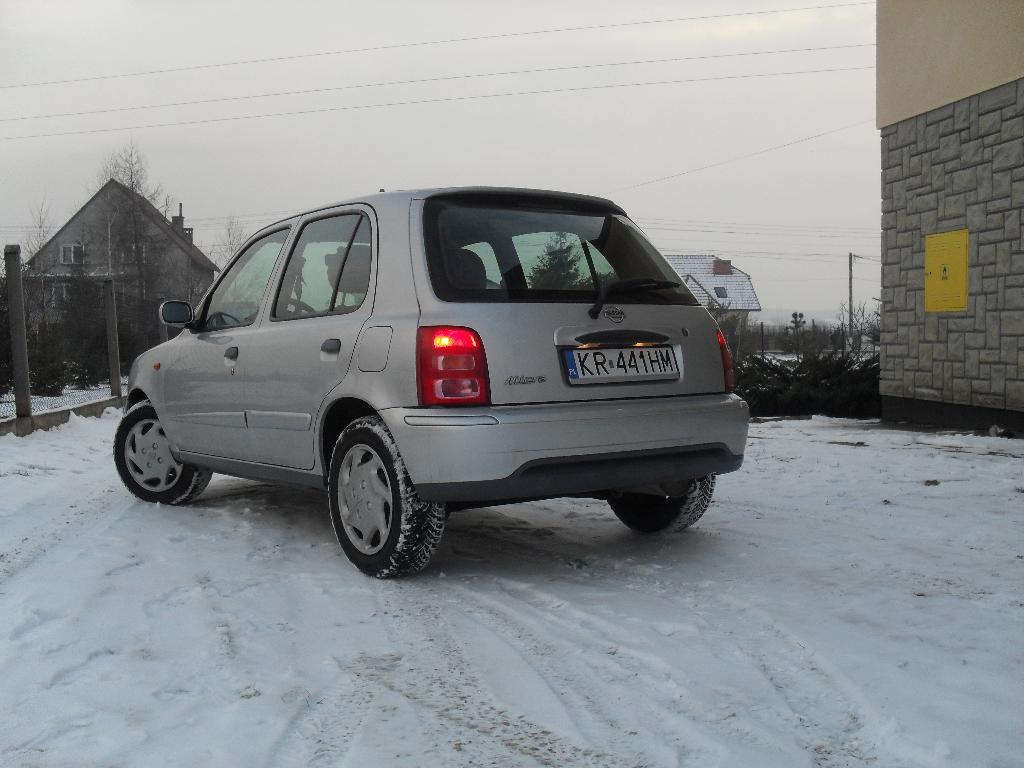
(41, 228)
(131, 239)
(231, 238)
(38, 235)
(733, 325)
(866, 324)
(128, 165)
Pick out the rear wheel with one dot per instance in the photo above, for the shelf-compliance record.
(142, 455)
(647, 513)
(385, 528)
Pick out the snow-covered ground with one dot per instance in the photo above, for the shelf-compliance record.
(835, 607)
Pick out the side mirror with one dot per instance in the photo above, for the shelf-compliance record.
(177, 314)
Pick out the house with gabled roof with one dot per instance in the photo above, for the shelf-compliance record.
(118, 234)
(716, 283)
(726, 291)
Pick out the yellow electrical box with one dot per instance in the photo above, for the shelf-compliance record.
(945, 271)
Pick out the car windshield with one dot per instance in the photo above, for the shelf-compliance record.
(480, 251)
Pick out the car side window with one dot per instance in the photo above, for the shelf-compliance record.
(320, 256)
(235, 301)
(355, 276)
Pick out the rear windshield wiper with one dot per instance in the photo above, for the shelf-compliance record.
(627, 285)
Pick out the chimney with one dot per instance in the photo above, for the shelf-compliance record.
(721, 267)
(178, 225)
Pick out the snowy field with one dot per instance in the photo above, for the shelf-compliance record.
(835, 607)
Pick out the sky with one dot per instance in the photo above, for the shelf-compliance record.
(788, 216)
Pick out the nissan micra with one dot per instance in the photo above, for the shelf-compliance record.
(415, 353)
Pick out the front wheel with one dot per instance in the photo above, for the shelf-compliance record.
(383, 525)
(647, 513)
(142, 455)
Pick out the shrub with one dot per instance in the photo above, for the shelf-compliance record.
(829, 384)
(46, 368)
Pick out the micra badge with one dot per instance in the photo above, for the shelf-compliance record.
(615, 314)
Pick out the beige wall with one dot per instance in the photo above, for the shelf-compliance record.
(933, 52)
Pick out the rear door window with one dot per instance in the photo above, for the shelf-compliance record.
(328, 269)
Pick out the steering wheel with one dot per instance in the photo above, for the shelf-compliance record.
(221, 319)
(300, 306)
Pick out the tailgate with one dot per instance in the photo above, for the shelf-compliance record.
(525, 345)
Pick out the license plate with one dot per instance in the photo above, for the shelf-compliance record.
(610, 365)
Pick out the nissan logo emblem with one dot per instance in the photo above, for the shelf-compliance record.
(614, 314)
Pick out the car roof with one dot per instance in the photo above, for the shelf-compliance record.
(404, 196)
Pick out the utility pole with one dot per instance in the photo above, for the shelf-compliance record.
(19, 341)
(113, 354)
(849, 306)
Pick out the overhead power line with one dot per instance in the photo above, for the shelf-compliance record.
(727, 250)
(425, 43)
(440, 100)
(767, 233)
(418, 81)
(764, 151)
(788, 226)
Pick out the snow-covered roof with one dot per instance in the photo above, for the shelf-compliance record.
(728, 286)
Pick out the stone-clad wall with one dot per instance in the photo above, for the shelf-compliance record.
(961, 165)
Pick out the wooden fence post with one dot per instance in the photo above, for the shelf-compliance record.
(19, 341)
(113, 353)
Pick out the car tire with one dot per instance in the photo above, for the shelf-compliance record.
(648, 514)
(142, 455)
(382, 524)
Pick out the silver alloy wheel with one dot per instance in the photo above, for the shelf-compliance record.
(365, 499)
(147, 454)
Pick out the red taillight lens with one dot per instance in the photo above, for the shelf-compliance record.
(451, 367)
(723, 345)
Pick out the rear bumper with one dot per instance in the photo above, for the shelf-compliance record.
(528, 451)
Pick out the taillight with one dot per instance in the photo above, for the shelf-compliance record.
(451, 367)
(723, 345)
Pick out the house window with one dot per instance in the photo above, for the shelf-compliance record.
(128, 256)
(721, 292)
(72, 254)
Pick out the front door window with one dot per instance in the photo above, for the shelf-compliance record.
(236, 300)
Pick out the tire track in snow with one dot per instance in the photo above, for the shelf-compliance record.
(431, 673)
(607, 665)
(92, 518)
(97, 502)
(597, 682)
(829, 716)
(820, 696)
(446, 684)
(322, 730)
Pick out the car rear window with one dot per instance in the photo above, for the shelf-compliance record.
(478, 250)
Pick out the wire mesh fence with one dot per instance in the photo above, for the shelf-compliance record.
(68, 398)
(69, 335)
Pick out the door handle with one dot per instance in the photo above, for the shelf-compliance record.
(231, 354)
(331, 346)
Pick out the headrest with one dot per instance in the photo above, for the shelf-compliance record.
(467, 270)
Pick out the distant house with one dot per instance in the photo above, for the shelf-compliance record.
(120, 235)
(716, 283)
(724, 290)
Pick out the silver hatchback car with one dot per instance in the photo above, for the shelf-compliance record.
(414, 353)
